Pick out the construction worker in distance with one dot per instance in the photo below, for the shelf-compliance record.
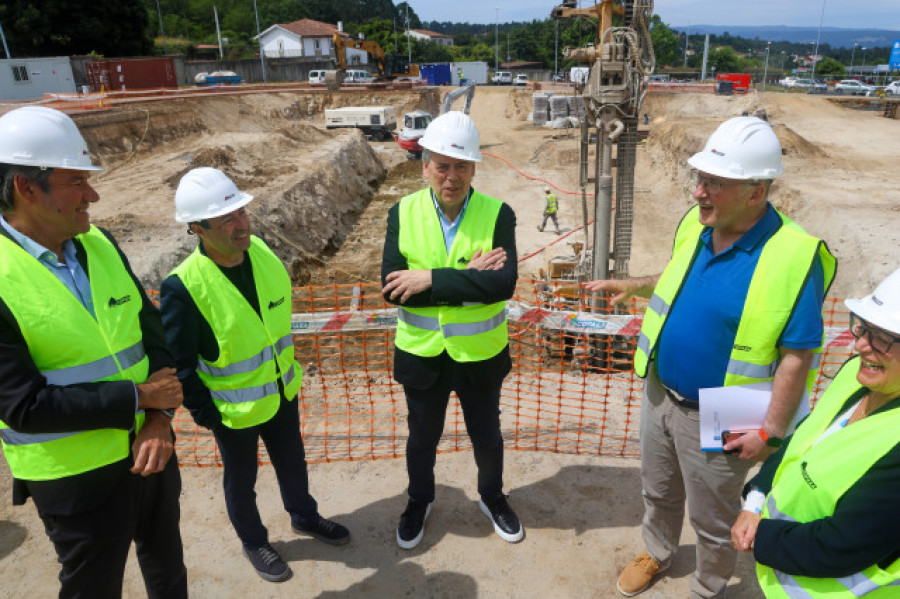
(227, 313)
(550, 210)
(820, 517)
(740, 302)
(450, 264)
(87, 386)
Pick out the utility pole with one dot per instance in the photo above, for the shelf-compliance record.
(161, 31)
(812, 88)
(408, 42)
(262, 55)
(555, 51)
(507, 45)
(687, 34)
(218, 31)
(496, 42)
(766, 69)
(5, 47)
(852, 54)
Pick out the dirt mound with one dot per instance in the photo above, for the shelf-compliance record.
(794, 144)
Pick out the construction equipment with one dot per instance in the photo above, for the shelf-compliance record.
(389, 66)
(375, 121)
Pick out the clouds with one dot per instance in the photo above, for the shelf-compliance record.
(796, 13)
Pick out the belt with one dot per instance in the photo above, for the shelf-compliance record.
(682, 401)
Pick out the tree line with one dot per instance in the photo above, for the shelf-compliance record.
(118, 29)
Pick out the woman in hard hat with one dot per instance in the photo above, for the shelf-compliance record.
(821, 515)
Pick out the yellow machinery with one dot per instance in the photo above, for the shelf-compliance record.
(389, 67)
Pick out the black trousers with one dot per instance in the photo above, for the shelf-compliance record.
(481, 411)
(281, 435)
(93, 546)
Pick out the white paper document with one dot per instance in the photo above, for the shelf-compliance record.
(737, 408)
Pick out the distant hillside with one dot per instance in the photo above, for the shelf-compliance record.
(835, 36)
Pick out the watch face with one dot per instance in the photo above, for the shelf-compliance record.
(774, 441)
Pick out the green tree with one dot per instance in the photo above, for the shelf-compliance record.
(665, 42)
(64, 27)
(829, 67)
(725, 60)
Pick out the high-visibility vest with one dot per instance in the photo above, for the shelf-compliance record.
(552, 206)
(812, 478)
(784, 267)
(69, 346)
(471, 332)
(243, 381)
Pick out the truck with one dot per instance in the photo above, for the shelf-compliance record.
(374, 121)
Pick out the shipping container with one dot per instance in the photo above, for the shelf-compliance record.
(436, 74)
(132, 73)
(464, 73)
(31, 78)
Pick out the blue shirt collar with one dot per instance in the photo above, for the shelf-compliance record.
(35, 249)
(442, 216)
(758, 233)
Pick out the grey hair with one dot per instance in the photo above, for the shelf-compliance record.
(36, 174)
(426, 155)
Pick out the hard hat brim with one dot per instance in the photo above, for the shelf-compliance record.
(871, 312)
(246, 198)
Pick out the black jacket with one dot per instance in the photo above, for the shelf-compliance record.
(29, 405)
(452, 287)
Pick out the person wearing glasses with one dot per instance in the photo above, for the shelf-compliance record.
(820, 517)
(739, 302)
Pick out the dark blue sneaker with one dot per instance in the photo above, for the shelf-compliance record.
(322, 529)
(412, 523)
(268, 563)
(506, 523)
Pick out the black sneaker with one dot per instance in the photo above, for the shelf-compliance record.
(326, 531)
(268, 563)
(412, 523)
(506, 523)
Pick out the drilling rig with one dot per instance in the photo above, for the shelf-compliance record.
(621, 60)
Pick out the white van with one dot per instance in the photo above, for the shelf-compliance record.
(352, 76)
(317, 77)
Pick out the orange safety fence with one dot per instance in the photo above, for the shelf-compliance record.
(571, 390)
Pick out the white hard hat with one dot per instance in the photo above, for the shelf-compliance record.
(453, 134)
(744, 147)
(207, 193)
(39, 136)
(881, 308)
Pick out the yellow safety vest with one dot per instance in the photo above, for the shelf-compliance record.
(243, 381)
(812, 478)
(784, 266)
(552, 206)
(471, 332)
(69, 346)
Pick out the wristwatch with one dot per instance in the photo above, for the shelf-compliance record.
(770, 440)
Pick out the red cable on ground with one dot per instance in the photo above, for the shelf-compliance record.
(527, 176)
(555, 241)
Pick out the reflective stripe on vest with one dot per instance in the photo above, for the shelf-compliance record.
(254, 349)
(473, 331)
(814, 475)
(69, 346)
(781, 273)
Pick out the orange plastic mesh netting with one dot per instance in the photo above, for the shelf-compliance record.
(571, 390)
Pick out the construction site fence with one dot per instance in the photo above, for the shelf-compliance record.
(572, 388)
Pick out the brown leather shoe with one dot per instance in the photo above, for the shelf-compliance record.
(638, 575)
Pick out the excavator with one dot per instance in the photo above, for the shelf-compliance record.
(389, 66)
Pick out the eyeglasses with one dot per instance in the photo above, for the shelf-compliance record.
(712, 186)
(879, 340)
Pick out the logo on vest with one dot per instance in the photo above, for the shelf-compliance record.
(742, 347)
(113, 302)
(276, 303)
(463, 260)
(806, 476)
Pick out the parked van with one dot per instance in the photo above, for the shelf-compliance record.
(317, 77)
(352, 76)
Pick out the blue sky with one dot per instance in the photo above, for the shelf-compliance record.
(881, 14)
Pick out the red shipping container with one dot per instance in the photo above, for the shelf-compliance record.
(132, 74)
(741, 81)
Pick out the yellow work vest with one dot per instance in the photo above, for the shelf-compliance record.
(469, 333)
(552, 206)
(69, 346)
(784, 266)
(812, 478)
(243, 381)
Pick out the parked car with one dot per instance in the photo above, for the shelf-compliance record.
(798, 83)
(502, 78)
(853, 87)
(820, 86)
(892, 88)
(521, 79)
(352, 76)
(786, 82)
(317, 77)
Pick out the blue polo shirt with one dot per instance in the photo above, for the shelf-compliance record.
(447, 228)
(696, 340)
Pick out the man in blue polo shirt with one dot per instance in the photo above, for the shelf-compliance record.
(739, 302)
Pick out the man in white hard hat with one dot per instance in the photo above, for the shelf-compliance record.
(450, 264)
(227, 313)
(739, 303)
(550, 209)
(85, 372)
